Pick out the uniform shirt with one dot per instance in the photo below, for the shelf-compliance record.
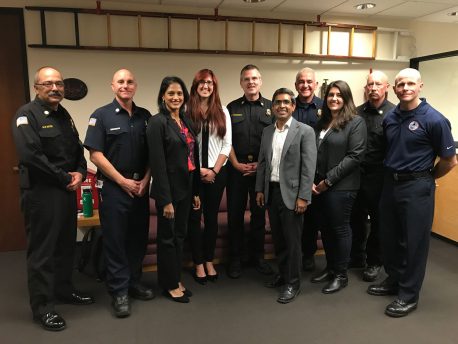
(278, 141)
(308, 113)
(415, 138)
(375, 147)
(120, 137)
(48, 144)
(248, 121)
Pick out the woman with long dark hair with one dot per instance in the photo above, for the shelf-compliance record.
(174, 161)
(213, 124)
(341, 142)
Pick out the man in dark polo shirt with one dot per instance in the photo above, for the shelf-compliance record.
(308, 111)
(416, 135)
(250, 114)
(366, 244)
(116, 140)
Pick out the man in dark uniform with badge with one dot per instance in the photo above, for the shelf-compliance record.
(366, 243)
(116, 140)
(51, 168)
(250, 114)
(308, 111)
(416, 135)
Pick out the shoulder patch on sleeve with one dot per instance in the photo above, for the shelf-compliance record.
(22, 120)
(92, 121)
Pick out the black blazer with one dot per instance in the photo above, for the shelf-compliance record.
(340, 153)
(168, 159)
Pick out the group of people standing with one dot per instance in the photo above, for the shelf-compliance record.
(315, 165)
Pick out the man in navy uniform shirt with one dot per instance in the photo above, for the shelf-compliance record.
(416, 134)
(366, 244)
(308, 111)
(116, 141)
(51, 168)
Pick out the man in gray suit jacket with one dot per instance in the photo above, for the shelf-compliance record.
(285, 173)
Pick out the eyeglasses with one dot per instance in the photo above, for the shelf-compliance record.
(206, 82)
(279, 102)
(49, 84)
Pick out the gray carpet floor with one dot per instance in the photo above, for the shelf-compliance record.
(242, 311)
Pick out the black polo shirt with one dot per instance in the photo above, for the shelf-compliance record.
(415, 138)
(249, 118)
(120, 137)
(308, 113)
(375, 147)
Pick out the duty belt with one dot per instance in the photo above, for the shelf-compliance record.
(128, 175)
(402, 177)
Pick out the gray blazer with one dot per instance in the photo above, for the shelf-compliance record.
(297, 163)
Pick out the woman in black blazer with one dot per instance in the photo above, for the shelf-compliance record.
(341, 142)
(174, 162)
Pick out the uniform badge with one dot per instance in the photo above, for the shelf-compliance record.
(46, 112)
(318, 112)
(117, 110)
(268, 113)
(21, 121)
(380, 112)
(92, 121)
(413, 125)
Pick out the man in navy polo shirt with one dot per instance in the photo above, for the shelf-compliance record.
(416, 134)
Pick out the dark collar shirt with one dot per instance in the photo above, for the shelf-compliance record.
(308, 113)
(120, 137)
(415, 138)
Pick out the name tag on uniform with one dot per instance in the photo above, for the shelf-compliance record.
(21, 121)
(113, 129)
(47, 126)
(92, 122)
(236, 115)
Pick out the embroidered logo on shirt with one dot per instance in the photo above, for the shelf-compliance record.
(92, 121)
(47, 126)
(21, 121)
(413, 125)
(113, 129)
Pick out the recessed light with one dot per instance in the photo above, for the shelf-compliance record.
(253, 1)
(365, 6)
(453, 14)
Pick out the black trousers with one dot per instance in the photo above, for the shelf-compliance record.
(170, 237)
(203, 242)
(50, 224)
(238, 190)
(125, 223)
(365, 240)
(286, 232)
(310, 230)
(406, 217)
(335, 210)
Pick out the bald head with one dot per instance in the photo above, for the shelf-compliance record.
(124, 85)
(407, 87)
(408, 73)
(376, 88)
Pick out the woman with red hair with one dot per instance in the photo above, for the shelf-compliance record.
(213, 124)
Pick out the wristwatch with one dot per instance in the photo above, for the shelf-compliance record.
(328, 183)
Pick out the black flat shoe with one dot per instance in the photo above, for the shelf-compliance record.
(400, 308)
(200, 280)
(51, 321)
(212, 278)
(288, 293)
(180, 299)
(337, 283)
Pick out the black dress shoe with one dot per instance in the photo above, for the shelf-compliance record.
(234, 269)
(212, 278)
(288, 293)
(76, 298)
(370, 274)
(180, 299)
(339, 282)
(121, 306)
(263, 267)
(51, 321)
(387, 287)
(308, 263)
(200, 280)
(276, 282)
(322, 276)
(140, 292)
(400, 308)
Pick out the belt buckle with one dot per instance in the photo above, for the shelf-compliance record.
(250, 158)
(395, 176)
(136, 176)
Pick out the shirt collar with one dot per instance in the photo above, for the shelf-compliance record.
(286, 126)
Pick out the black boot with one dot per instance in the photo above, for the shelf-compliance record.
(339, 282)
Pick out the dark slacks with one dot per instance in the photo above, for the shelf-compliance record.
(238, 190)
(125, 223)
(286, 232)
(406, 217)
(50, 224)
(170, 237)
(310, 230)
(366, 241)
(203, 242)
(335, 210)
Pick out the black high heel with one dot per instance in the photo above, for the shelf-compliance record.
(212, 278)
(180, 299)
(200, 280)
